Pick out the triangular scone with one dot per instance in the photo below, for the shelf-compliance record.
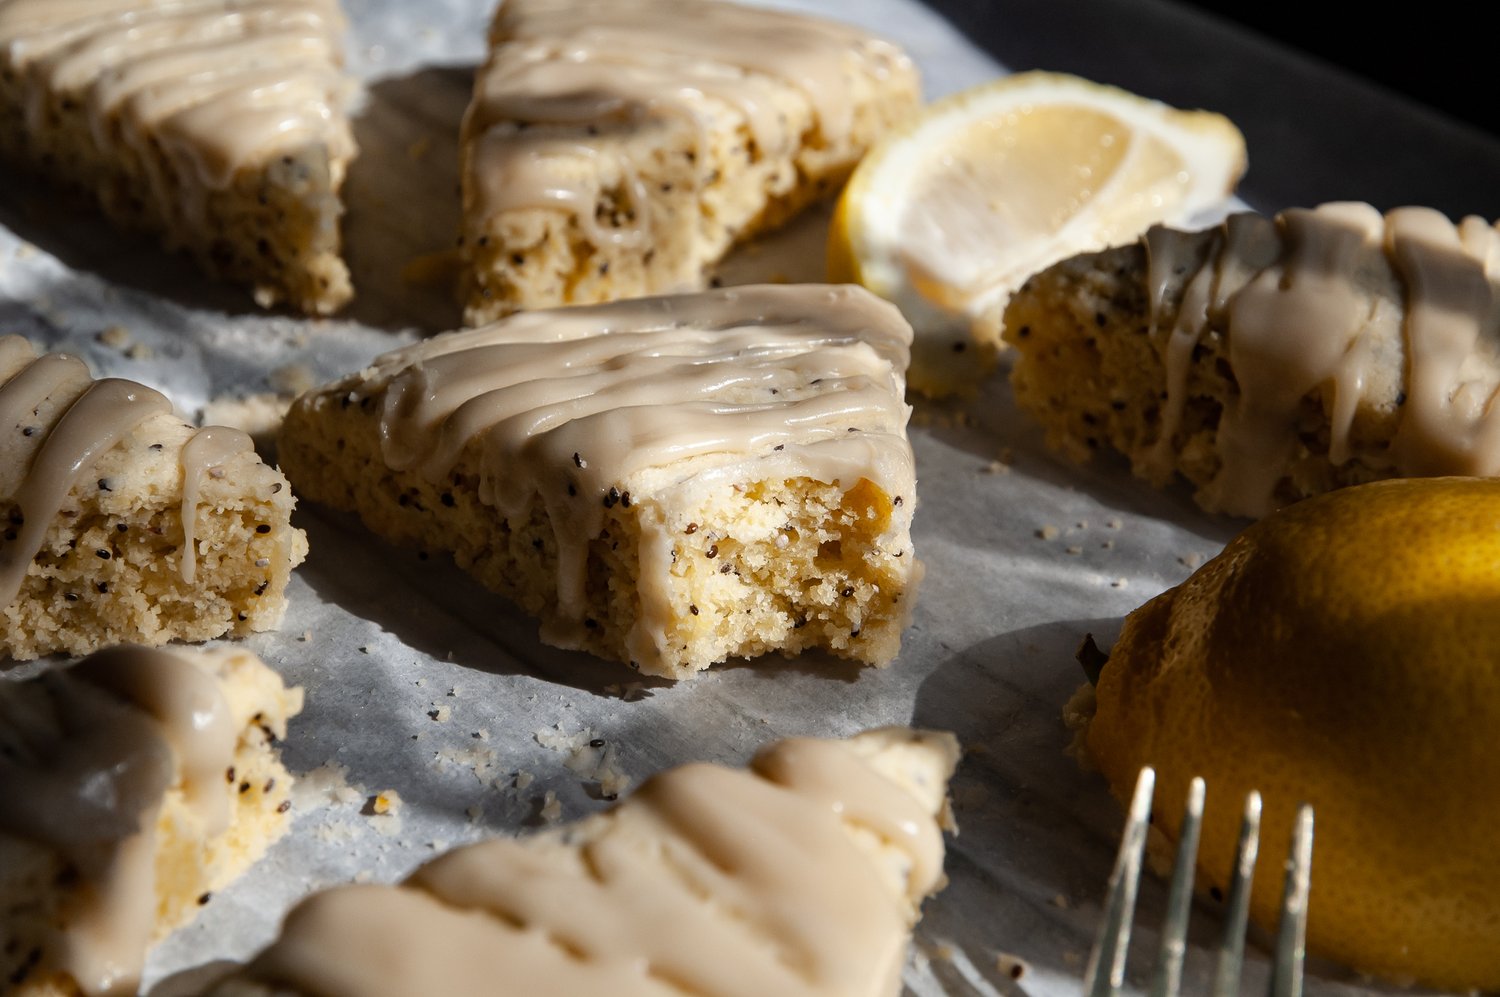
(125, 524)
(217, 124)
(616, 148)
(132, 786)
(666, 481)
(800, 877)
(1267, 360)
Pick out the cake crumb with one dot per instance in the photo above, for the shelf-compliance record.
(386, 802)
(1191, 561)
(115, 336)
(1114, 523)
(1119, 583)
(524, 779)
(441, 714)
(1073, 549)
(1009, 965)
(1047, 532)
(551, 809)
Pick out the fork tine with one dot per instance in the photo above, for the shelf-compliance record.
(1291, 932)
(1166, 981)
(1106, 969)
(1237, 915)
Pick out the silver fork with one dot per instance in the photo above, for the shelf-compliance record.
(1106, 967)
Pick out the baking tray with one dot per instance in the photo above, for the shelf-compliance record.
(419, 682)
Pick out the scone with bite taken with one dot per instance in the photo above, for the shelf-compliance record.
(800, 876)
(132, 786)
(125, 524)
(617, 148)
(218, 125)
(666, 481)
(1267, 360)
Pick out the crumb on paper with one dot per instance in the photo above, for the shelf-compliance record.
(384, 812)
(1010, 965)
(442, 714)
(292, 379)
(524, 779)
(1107, 545)
(386, 802)
(483, 762)
(474, 813)
(306, 636)
(590, 757)
(996, 467)
(551, 809)
(1047, 532)
(1191, 560)
(324, 785)
(25, 250)
(1073, 549)
(116, 337)
(1114, 523)
(1119, 583)
(139, 351)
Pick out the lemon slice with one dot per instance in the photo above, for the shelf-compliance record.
(949, 215)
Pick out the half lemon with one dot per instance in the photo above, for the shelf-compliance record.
(949, 215)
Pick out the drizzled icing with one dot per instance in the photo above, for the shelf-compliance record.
(1321, 301)
(77, 419)
(593, 406)
(572, 62)
(708, 881)
(86, 756)
(206, 452)
(219, 85)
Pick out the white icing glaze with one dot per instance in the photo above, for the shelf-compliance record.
(219, 84)
(581, 406)
(708, 881)
(86, 755)
(205, 453)
(1299, 302)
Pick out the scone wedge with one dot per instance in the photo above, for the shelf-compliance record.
(124, 524)
(135, 784)
(666, 481)
(218, 125)
(618, 148)
(1268, 360)
(799, 877)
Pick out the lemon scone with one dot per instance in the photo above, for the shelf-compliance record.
(132, 786)
(1341, 652)
(1269, 360)
(801, 876)
(666, 481)
(616, 148)
(217, 124)
(125, 524)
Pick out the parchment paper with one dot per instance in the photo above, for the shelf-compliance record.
(420, 682)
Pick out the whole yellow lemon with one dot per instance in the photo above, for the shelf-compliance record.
(1344, 651)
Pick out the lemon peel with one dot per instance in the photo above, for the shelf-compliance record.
(948, 215)
(1344, 651)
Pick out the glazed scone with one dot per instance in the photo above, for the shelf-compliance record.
(666, 481)
(800, 877)
(136, 783)
(218, 125)
(125, 524)
(1269, 360)
(618, 148)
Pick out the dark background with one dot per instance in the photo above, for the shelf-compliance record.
(1413, 118)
